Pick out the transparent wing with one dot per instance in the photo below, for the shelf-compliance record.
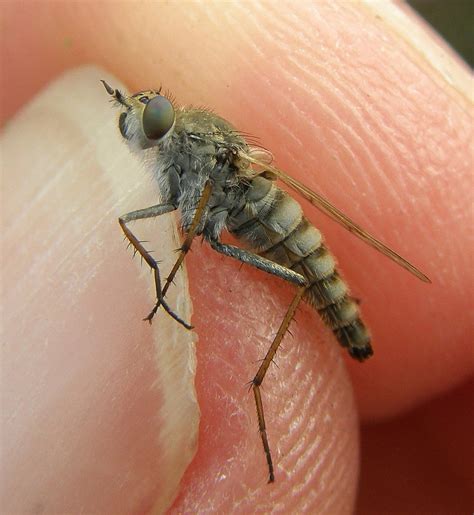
(327, 208)
(260, 155)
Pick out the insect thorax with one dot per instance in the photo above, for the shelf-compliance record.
(203, 146)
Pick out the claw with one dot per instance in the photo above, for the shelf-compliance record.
(148, 318)
(165, 306)
(152, 313)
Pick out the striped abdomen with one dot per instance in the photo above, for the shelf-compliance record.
(272, 223)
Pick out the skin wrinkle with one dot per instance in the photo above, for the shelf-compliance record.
(325, 456)
(354, 133)
(340, 94)
(293, 431)
(342, 123)
(382, 140)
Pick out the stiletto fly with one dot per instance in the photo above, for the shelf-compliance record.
(218, 181)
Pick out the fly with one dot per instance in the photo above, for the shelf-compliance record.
(209, 172)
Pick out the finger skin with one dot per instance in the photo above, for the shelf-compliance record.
(367, 118)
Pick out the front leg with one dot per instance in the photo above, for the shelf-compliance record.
(150, 212)
(185, 247)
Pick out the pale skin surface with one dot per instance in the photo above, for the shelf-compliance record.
(374, 115)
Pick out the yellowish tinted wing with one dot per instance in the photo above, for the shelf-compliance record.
(327, 208)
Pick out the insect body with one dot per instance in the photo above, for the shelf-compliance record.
(207, 170)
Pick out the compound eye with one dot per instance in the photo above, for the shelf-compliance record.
(158, 117)
(122, 126)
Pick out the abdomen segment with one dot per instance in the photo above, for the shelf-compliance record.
(272, 223)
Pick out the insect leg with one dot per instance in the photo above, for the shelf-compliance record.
(184, 249)
(150, 212)
(284, 273)
(259, 262)
(259, 377)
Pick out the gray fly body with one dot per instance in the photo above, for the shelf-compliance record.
(199, 150)
(217, 181)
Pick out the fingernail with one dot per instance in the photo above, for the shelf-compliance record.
(87, 377)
